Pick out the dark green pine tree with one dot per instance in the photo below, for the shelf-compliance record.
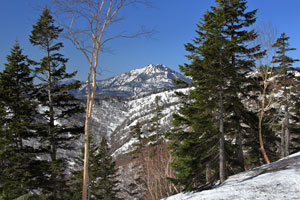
(103, 174)
(212, 108)
(19, 167)
(141, 143)
(156, 137)
(58, 104)
(195, 140)
(241, 62)
(288, 84)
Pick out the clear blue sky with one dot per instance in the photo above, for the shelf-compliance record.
(174, 20)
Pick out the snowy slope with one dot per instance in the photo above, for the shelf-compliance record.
(276, 181)
(113, 117)
(141, 110)
(123, 99)
(141, 81)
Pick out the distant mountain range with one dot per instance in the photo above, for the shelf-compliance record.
(146, 80)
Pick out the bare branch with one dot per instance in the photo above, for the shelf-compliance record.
(84, 19)
(265, 66)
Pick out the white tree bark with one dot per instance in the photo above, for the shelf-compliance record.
(97, 15)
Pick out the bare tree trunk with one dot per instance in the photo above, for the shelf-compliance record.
(282, 137)
(208, 173)
(265, 75)
(266, 39)
(261, 143)
(86, 160)
(240, 153)
(89, 110)
(222, 140)
(98, 15)
(285, 134)
(51, 124)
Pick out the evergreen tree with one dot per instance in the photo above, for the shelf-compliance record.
(212, 109)
(19, 169)
(153, 135)
(138, 134)
(296, 127)
(290, 94)
(54, 97)
(155, 129)
(103, 174)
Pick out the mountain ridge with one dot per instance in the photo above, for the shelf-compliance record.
(151, 78)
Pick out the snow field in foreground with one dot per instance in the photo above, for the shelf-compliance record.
(277, 181)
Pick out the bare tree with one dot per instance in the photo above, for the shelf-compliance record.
(265, 66)
(86, 22)
(155, 163)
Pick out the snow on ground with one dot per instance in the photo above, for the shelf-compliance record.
(276, 181)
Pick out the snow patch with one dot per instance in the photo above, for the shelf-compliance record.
(276, 181)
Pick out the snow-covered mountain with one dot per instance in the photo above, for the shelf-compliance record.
(151, 78)
(124, 100)
(113, 118)
(276, 181)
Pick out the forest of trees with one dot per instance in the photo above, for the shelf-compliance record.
(224, 125)
(36, 130)
(241, 110)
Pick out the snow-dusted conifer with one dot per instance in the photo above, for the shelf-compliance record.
(220, 61)
(58, 104)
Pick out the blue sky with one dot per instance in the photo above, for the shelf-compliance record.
(174, 21)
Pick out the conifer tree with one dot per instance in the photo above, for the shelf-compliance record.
(153, 135)
(19, 169)
(54, 97)
(211, 110)
(103, 174)
(296, 127)
(241, 59)
(138, 134)
(155, 129)
(288, 85)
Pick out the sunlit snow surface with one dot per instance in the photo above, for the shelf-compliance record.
(141, 109)
(277, 181)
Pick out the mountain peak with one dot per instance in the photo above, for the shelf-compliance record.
(148, 79)
(151, 69)
(157, 66)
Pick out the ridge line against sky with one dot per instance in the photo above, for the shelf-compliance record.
(174, 21)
